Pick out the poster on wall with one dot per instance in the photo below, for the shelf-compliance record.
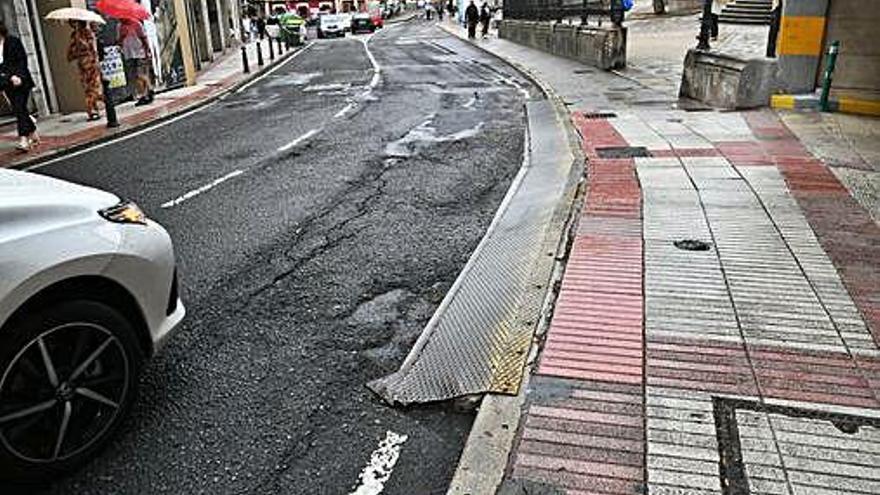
(112, 69)
(165, 43)
(161, 31)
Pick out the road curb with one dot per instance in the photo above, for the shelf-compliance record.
(484, 459)
(123, 131)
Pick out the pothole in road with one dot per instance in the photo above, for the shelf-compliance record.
(388, 325)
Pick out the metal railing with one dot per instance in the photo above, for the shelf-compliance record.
(559, 10)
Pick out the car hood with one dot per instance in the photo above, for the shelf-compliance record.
(24, 189)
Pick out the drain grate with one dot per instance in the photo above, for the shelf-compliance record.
(599, 115)
(623, 152)
(692, 245)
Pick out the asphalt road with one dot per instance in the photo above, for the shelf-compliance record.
(343, 206)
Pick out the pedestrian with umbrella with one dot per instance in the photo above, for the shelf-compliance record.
(16, 84)
(83, 50)
(133, 41)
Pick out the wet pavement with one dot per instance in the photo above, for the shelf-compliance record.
(319, 215)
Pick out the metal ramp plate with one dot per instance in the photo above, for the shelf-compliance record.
(479, 338)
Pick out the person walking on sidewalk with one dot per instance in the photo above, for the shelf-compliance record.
(16, 83)
(471, 17)
(717, 7)
(136, 52)
(83, 50)
(485, 17)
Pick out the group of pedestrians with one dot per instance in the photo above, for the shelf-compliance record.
(474, 16)
(16, 81)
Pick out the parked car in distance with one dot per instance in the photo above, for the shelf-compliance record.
(362, 23)
(377, 19)
(330, 25)
(88, 292)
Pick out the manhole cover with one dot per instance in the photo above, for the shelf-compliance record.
(599, 115)
(623, 152)
(692, 245)
(832, 436)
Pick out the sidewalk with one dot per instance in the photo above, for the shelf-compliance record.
(717, 326)
(61, 132)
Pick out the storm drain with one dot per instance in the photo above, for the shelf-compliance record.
(479, 338)
(623, 152)
(599, 115)
(692, 245)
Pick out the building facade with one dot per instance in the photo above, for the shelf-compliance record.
(184, 35)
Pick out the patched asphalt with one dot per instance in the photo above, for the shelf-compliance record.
(314, 270)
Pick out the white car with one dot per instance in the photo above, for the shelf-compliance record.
(331, 25)
(88, 292)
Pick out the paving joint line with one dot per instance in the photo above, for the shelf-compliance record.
(797, 261)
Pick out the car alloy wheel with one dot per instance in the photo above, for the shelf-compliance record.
(62, 392)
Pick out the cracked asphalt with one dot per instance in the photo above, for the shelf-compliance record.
(314, 269)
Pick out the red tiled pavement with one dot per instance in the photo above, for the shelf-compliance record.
(845, 230)
(596, 338)
(585, 429)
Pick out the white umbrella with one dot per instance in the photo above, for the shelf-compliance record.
(75, 14)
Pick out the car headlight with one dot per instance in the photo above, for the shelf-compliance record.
(124, 212)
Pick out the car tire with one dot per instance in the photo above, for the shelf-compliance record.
(79, 363)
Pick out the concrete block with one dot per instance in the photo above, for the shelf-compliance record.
(602, 47)
(728, 82)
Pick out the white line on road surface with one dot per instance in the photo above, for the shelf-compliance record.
(345, 110)
(172, 120)
(376, 68)
(273, 69)
(299, 140)
(382, 461)
(126, 137)
(206, 187)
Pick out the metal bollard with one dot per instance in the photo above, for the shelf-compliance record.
(271, 51)
(260, 53)
(280, 47)
(833, 50)
(244, 60)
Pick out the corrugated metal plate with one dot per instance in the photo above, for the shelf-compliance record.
(479, 338)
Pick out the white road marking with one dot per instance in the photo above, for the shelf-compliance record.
(172, 120)
(345, 110)
(299, 140)
(273, 69)
(470, 103)
(205, 188)
(376, 67)
(382, 461)
(126, 137)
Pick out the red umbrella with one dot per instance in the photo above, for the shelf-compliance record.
(123, 9)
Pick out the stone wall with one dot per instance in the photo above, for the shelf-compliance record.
(602, 47)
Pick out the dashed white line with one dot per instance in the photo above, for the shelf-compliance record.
(195, 192)
(299, 140)
(273, 69)
(345, 110)
(150, 128)
(382, 461)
